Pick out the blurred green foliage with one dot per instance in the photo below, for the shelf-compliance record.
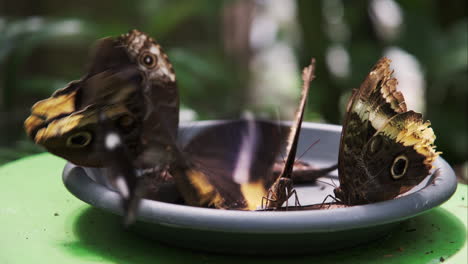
(44, 45)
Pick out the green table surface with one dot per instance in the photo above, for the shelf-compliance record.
(41, 222)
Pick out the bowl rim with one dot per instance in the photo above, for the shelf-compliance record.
(437, 190)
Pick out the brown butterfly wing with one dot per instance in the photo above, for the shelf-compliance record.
(367, 110)
(108, 54)
(68, 130)
(364, 174)
(216, 153)
(149, 92)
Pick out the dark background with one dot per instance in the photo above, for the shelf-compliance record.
(45, 44)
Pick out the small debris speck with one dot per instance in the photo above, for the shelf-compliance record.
(56, 214)
(388, 256)
(442, 259)
(401, 249)
(411, 230)
(463, 198)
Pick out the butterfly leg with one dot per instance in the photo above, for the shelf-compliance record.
(326, 197)
(270, 198)
(289, 192)
(266, 202)
(296, 198)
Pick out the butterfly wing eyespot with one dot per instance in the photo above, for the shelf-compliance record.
(399, 167)
(79, 140)
(149, 60)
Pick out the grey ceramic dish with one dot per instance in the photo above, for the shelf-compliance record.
(271, 232)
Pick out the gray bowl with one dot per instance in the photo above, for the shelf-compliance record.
(271, 232)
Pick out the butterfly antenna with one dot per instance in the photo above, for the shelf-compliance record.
(282, 157)
(327, 183)
(334, 183)
(307, 150)
(326, 198)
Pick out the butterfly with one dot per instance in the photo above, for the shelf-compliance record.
(385, 150)
(66, 123)
(282, 189)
